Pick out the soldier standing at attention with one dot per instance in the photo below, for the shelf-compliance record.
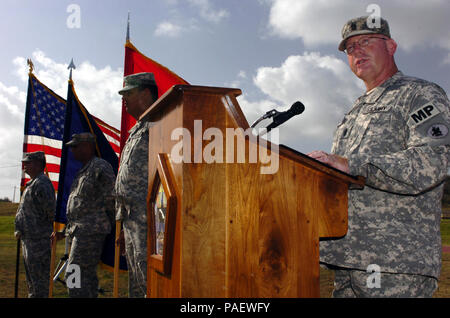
(396, 136)
(34, 224)
(90, 213)
(139, 93)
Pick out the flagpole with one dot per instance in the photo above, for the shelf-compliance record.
(117, 260)
(52, 264)
(55, 227)
(16, 282)
(71, 67)
(119, 223)
(128, 28)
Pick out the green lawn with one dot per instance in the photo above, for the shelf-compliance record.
(445, 231)
(8, 252)
(8, 260)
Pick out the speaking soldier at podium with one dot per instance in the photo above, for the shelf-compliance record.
(396, 135)
(139, 93)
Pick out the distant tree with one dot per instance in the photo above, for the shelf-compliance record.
(5, 199)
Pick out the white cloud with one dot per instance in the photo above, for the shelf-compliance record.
(96, 88)
(208, 13)
(12, 110)
(299, 19)
(447, 59)
(178, 22)
(168, 29)
(240, 80)
(242, 74)
(414, 23)
(324, 84)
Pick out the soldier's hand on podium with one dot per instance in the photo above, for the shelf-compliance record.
(335, 161)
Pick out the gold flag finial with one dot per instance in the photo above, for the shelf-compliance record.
(30, 65)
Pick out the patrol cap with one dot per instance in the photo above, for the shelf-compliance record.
(82, 137)
(359, 26)
(137, 80)
(32, 156)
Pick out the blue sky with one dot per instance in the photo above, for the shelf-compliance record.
(275, 51)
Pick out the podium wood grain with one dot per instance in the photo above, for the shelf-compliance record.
(240, 233)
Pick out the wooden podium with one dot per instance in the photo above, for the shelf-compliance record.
(218, 225)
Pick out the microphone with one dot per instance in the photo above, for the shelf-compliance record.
(281, 117)
(268, 114)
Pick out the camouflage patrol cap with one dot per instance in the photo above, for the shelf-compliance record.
(137, 80)
(34, 156)
(82, 137)
(363, 25)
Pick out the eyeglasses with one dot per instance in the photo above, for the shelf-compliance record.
(349, 49)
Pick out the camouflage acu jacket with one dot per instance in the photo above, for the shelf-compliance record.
(132, 178)
(36, 212)
(90, 206)
(397, 136)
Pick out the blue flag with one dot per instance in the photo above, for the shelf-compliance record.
(78, 120)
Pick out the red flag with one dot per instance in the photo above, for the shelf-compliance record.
(136, 62)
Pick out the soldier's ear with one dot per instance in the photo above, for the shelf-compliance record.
(391, 46)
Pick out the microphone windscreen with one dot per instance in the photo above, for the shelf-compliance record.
(297, 108)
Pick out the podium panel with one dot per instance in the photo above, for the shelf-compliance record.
(239, 217)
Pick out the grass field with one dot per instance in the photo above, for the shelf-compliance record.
(8, 247)
(8, 252)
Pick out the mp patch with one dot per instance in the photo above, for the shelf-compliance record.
(422, 115)
(429, 122)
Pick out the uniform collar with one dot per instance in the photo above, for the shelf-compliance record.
(135, 127)
(85, 167)
(373, 95)
(139, 125)
(32, 180)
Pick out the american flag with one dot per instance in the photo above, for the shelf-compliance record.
(112, 135)
(44, 128)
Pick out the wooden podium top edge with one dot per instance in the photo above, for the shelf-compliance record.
(358, 182)
(175, 90)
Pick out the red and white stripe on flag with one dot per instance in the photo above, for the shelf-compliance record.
(53, 149)
(112, 134)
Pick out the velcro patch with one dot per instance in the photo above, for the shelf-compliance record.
(422, 115)
(437, 131)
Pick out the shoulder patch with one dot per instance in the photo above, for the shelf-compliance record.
(422, 115)
(437, 131)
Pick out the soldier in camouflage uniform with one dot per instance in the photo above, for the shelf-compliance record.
(34, 224)
(139, 92)
(397, 136)
(90, 213)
